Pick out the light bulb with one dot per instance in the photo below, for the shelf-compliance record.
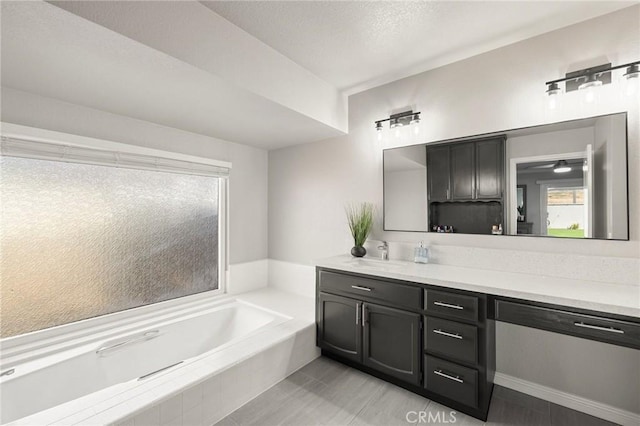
(416, 130)
(379, 136)
(397, 133)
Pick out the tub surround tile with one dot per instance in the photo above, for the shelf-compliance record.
(192, 397)
(193, 416)
(301, 308)
(148, 417)
(228, 421)
(287, 276)
(170, 409)
(248, 276)
(622, 299)
(126, 422)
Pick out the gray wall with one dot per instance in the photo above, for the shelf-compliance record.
(248, 180)
(502, 89)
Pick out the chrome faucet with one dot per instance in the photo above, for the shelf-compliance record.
(384, 250)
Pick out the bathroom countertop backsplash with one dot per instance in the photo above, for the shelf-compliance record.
(606, 269)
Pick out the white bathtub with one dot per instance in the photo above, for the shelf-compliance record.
(142, 351)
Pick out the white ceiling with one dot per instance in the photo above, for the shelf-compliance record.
(356, 45)
(180, 64)
(50, 52)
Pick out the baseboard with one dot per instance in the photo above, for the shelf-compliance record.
(575, 402)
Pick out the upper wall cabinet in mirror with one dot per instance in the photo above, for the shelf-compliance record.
(564, 179)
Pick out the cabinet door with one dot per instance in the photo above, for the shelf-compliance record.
(489, 169)
(462, 171)
(438, 167)
(392, 342)
(340, 326)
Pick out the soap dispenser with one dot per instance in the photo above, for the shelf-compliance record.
(421, 254)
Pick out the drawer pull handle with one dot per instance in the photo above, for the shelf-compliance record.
(447, 305)
(357, 287)
(444, 333)
(597, 327)
(358, 313)
(446, 376)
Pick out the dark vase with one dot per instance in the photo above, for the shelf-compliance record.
(358, 251)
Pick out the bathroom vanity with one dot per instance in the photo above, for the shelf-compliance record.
(431, 328)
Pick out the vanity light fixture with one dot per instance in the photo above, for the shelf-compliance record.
(396, 121)
(589, 79)
(561, 167)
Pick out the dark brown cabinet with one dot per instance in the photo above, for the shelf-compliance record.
(434, 342)
(462, 171)
(489, 169)
(466, 171)
(382, 338)
(391, 342)
(339, 328)
(438, 172)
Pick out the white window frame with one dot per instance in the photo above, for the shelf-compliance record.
(19, 132)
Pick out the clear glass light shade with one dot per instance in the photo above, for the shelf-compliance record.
(589, 89)
(632, 81)
(553, 95)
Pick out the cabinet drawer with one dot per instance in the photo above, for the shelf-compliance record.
(451, 304)
(451, 380)
(451, 339)
(603, 329)
(370, 289)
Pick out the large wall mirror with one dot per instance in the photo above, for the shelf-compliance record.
(566, 180)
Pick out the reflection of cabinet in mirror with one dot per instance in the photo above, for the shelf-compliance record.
(466, 185)
(575, 174)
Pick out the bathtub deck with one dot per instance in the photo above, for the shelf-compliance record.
(206, 390)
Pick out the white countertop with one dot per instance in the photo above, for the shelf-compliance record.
(621, 299)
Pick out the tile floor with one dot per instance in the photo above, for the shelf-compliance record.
(325, 392)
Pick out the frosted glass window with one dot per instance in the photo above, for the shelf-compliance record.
(78, 241)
